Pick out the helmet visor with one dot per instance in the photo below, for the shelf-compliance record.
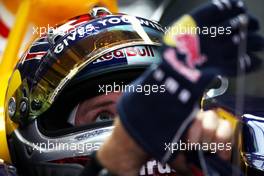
(73, 52)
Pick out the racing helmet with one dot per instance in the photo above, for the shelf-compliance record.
(61, 69)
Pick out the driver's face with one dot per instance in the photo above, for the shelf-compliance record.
(102, 107)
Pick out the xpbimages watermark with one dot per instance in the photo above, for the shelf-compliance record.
(212, 31)
(59, 146)
(146, 89)
(212, 147)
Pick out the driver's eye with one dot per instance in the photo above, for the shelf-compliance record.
(104, 116)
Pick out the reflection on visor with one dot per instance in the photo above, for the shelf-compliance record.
(75, 51)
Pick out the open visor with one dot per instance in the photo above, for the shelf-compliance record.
(82, 47)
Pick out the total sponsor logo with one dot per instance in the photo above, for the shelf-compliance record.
(127, 53)
(154, 167)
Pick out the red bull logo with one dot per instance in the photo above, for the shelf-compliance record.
(145, 51)
(188, 45)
